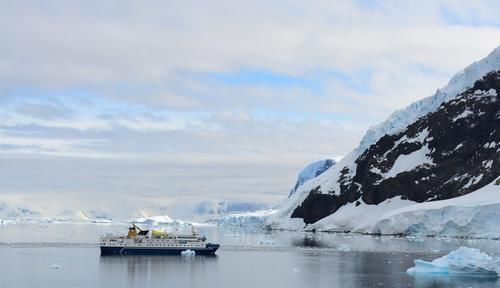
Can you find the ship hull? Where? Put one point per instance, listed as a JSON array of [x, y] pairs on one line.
[[130, 250]]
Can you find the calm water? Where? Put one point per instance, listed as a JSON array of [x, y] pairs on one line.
[[65, 255]]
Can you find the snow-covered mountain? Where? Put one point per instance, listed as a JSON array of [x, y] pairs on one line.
[[10, 212], [311, 171], [439, 148]]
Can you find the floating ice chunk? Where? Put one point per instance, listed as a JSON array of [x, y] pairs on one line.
[[461, 262], [267, 242], [55, 266], [344, 248], [188, 253]]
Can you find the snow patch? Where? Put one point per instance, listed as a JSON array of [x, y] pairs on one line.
[[405, 163], [462, 115], [473, 181], [357, 218], [458, 146]]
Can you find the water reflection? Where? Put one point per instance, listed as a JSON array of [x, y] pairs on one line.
[[308, 241], [136, 270], [246, 259], [423, 281]]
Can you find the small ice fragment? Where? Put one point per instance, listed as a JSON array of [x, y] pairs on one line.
[[344, 248], [55, 266], [267, 242], [295, 270], [188, 253]]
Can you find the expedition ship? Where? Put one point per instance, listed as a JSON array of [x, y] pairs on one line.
[[155, 242]]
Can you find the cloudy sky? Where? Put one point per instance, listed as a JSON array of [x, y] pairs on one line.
[[107, 103]]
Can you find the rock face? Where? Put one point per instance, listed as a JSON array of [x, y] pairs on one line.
[[444, 154], [441, 147], [311, 171]]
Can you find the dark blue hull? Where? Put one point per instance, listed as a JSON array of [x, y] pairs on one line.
[[209, 249]]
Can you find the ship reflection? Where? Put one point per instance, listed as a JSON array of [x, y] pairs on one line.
[[132, 270]]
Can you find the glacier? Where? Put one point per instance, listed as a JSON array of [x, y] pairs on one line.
[[246, 219], [462, 262], [475, 215]]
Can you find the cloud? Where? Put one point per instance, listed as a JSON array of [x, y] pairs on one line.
[[216, 99], [43, 111]]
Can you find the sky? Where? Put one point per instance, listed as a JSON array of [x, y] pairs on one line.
[[114, 105]]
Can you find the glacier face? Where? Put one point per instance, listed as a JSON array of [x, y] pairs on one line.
[[475, 215], [438, 148], [255, 219]]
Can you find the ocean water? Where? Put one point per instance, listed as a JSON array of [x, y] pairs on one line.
[[67, 255]]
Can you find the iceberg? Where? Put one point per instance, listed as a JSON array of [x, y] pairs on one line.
[[462, 262], [188, 253]]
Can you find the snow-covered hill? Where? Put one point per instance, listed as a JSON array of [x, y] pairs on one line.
[[441, 147]]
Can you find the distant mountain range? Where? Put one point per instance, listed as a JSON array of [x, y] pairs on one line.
[[234, 213]]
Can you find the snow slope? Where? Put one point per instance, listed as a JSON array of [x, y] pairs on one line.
[[459, 83], [358, 218]]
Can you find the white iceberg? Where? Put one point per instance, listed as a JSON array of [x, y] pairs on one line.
[[267, 242], [344, 248], [462, 262], [188, 253]]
